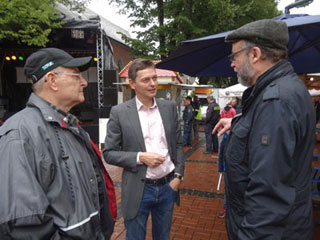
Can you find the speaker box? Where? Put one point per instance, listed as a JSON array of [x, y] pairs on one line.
[[104, 112], [110, 96], [93, 131], [109, 77]]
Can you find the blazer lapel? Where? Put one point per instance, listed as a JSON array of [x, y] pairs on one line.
[[133, 117]]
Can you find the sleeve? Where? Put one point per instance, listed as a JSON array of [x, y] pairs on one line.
[[215, 113], [223, 115], [270, 192], [190, 115], [233, 112], [23, 204], [179, 167], [113, 146], [209, 113]]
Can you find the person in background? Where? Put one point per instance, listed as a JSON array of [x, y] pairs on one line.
[[227, 112], [195, 123], [187, 122], [270, 145], [212, 117], [144, 138], [316, 102], [235, 105], [53, 180]]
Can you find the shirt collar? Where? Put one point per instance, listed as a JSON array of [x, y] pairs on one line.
[[70, 119], [140, 104]]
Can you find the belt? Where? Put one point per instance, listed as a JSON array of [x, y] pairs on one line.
[[160, 181]]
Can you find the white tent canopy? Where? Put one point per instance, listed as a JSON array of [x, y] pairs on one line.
[[232, 91]]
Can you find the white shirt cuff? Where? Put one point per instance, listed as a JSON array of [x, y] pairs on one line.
[[138, 159]]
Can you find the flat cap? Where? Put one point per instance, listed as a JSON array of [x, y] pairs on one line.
[[266, 32]]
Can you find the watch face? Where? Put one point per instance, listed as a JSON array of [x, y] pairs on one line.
[[179, 176]]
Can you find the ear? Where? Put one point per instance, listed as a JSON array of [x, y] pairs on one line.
[[256, 54], [132, 84], [51, 80]]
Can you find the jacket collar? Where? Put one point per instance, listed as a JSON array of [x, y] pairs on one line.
[[47, 111], [275, 72]]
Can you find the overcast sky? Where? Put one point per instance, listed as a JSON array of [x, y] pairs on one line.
[[103, 8]]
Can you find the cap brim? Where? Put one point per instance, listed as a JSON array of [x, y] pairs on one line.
[[82, 63]]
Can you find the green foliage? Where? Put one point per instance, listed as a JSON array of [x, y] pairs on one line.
[[165, 23], [31, 21], [75, 5]]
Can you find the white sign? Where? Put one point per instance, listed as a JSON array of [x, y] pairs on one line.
[[102, 129]]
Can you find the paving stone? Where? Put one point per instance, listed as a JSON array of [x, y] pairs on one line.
[[196, 218]]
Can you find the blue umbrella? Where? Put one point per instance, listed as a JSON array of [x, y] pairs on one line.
[[207, 56]]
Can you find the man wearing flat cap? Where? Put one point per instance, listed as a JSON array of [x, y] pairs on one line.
[[53, 182], [269, 152]]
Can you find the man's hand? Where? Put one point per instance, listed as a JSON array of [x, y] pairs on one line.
[[151, 159], [223, 125], [174, 184]]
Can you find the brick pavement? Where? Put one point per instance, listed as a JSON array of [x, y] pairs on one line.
[[196, 218]]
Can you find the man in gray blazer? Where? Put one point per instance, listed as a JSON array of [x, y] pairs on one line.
[[143, 137]]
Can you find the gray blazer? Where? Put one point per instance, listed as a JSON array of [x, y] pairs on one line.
[[125, 139]]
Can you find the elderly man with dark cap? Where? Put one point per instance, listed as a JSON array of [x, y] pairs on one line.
[[269, 152], [53, 182]]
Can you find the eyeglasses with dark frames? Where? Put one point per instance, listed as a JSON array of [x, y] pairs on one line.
[[232, 56]]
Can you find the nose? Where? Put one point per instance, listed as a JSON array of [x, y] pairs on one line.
[[83, 82], [153, 81], [232, 64]]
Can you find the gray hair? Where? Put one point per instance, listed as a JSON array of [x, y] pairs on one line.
[[38, 86], [272, 54]]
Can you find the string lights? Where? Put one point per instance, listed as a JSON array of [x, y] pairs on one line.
[[21, 58], [14, 58]]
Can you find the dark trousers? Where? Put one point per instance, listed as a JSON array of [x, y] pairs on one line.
[[195, 125], [212, 143], [187, 134], [221, 161]]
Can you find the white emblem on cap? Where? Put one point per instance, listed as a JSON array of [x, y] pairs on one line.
[[44, 67]]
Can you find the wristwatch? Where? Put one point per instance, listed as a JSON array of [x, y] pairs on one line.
[[177, 175]]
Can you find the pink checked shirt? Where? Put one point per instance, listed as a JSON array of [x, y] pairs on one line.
[[154, 138]]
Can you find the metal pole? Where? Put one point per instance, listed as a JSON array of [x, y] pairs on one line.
[[295, 4], [100, 67]]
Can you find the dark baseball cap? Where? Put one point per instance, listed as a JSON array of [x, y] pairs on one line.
[[47, 59], [266, 32]]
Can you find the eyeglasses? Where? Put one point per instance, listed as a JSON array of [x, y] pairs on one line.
[[232, 56], [78, 75]]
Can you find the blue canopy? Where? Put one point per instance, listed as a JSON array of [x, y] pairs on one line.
[[207, 56]]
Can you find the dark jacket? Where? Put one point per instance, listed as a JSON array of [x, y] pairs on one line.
[[268, 160], [187, 115], [52, 182], [213, 114]]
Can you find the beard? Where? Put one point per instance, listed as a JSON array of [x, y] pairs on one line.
[[246, 73]]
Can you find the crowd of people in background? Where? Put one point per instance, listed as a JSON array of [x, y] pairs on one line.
[[213, 115]]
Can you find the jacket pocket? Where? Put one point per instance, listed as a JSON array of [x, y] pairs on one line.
[[237, 145]]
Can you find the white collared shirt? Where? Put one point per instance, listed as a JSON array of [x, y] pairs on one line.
[[154, 138]]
